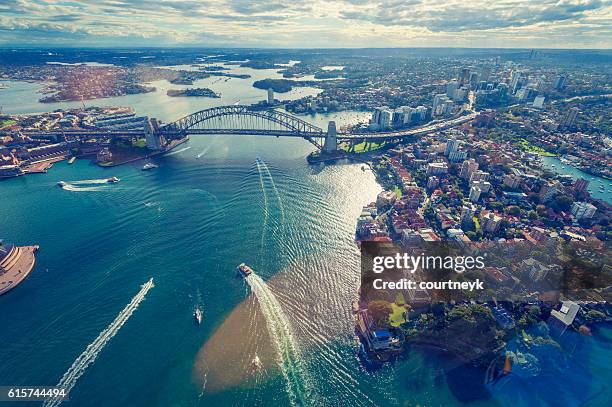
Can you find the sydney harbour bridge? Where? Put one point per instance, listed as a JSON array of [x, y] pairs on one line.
[[248, 120]]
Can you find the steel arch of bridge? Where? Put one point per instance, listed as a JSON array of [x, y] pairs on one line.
[[294, 126]]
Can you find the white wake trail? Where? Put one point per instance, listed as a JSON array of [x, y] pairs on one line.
[[265, 196], [92, 351], [204, 151], [89, 181], [72, 188], [276, 193], [289, 357], [177, 151]]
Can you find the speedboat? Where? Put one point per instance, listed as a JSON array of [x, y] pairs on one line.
[[113, 180], [61, 183], [244, 270], [256, 364], [149, 166], [197, 314]]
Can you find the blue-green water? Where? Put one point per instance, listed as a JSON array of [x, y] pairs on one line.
[[187, 224], [595, 183]]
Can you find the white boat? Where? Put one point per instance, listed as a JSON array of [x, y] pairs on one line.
[[149, 166], [113, 180], [61, 183], [197, 314], [256, 364]]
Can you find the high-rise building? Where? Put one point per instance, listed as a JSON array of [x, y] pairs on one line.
[[457, 156], [538, 102], [381, 118], [475, 192], [270, 96], [464, 77], [515, 81], [569, 120], [442, 105], [452, 144], [468, 168], [451, 88], [560, 82]]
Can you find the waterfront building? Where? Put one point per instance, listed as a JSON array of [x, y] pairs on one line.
[[580, 186], [583, 210], [385, 199], [381, 118], [563, 317]]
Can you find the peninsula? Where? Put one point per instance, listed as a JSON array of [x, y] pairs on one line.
[[16, 264]]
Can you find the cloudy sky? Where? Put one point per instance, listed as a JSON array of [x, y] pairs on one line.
[[313, 23]]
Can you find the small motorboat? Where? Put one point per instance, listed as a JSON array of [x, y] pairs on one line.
[[149, 166], [244, 270], [197, 314], [61, 183], [72, 160], [113, 180], [256, 365]]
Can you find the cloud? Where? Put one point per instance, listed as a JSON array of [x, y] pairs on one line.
[[314, 23]]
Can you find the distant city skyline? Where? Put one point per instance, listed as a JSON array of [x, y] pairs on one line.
[[313, 24]]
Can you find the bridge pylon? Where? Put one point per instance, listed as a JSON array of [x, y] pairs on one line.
[[331, 139], [152, 134]]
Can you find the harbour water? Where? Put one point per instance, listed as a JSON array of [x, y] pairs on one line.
[[187, 224], [599, 188]]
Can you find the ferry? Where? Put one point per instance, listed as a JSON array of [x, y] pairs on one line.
[[244, 270], [148, 166], [72, 160], [113, 180], [197, 314]]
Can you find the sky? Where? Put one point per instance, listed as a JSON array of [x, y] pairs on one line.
[[308, 24]]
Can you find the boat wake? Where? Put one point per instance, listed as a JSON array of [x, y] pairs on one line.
[[89, 181], [177, 151], [204, 151], [261, 164], [90, 354], [288, 355]]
